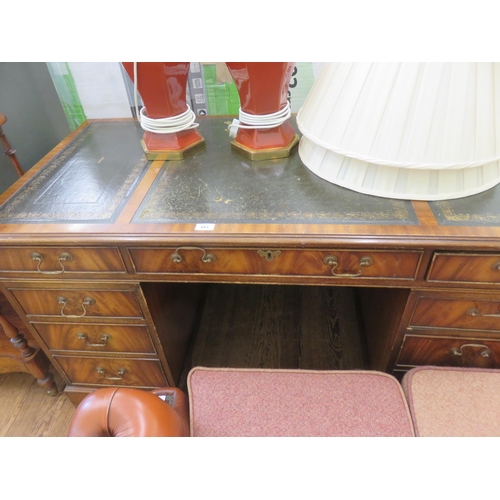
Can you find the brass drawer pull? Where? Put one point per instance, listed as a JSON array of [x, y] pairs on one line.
[[121, 372], [458, 351], [495, 266], [64, 257], [206, 257], [87, 301], [477, 313], [104, 340], [269, 255], [332, 261]]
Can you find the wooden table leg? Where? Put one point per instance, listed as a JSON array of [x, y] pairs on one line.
[[32, 359], [11, 153]]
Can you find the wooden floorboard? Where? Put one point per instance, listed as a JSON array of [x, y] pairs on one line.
[[27, 411], [268, 326]]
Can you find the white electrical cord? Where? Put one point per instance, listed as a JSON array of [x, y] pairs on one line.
[[171, 125], [248, 121]]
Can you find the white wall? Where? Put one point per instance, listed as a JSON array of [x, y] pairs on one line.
[[101, 89]]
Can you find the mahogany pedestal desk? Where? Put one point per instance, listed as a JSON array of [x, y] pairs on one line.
[[103, 255]]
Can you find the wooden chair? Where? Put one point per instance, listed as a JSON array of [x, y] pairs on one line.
[[11, 153], [17, 355]]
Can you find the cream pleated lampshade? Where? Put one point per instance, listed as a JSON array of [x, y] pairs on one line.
[[421, 131]]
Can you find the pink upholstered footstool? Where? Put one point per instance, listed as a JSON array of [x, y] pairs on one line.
[[454, 401], [259, 402]]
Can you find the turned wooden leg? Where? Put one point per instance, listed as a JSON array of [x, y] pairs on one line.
[[17, 339], [44, 378], [33, 359], [11, 153]]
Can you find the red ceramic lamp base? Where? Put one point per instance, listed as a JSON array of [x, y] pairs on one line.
[[172, 154], [265, 153], [172, 146]]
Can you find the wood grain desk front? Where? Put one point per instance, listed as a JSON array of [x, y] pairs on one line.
[[103, 255]]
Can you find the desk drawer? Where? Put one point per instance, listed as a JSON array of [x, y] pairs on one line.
[[272, 261], [443, 351], [96, 337], [465, 268], [65, 303], [469, 314], [57, 261], [112, 371]]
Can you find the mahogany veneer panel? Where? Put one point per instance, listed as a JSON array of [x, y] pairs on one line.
[[110, 303], [442, 351], [175, 309], [384, 264], [118, 338], [465, 268], [137, 372], [474, 314], [54, 261]]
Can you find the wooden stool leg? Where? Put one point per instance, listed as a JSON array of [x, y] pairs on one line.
[[11, 153], [33, 359]]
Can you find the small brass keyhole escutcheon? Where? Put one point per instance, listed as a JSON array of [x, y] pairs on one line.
[[269, 255]]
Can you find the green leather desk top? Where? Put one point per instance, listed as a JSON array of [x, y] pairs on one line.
[[93, 177], [89, 181], [99, 183], [219, 185]]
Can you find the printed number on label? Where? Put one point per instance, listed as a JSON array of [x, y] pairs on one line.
[[204, 227]]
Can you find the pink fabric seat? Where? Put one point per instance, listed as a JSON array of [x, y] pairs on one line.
[[454, 401], [259, 402]]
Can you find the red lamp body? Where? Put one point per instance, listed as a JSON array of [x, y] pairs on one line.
[[162, 86], [263, 89]]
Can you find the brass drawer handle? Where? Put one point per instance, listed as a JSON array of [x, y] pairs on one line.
[[332, 261], [64, 257], [206, 257], [87, 301], [496, 266], [269, 255], [477, 313], [104, 340], [121, 372], [458, 351]]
